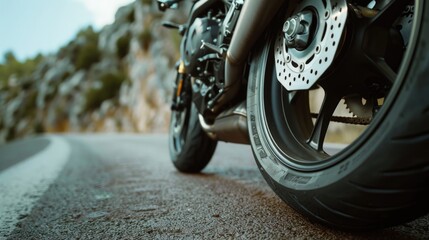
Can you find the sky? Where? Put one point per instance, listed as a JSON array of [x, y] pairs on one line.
[[29, 27]]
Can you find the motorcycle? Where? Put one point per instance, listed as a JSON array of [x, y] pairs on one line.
[[248, 74]]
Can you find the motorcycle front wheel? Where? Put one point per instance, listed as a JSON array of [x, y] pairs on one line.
[[191, 149], [379, 179]]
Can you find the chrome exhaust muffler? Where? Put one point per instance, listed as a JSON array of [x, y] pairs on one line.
[[229, 126]]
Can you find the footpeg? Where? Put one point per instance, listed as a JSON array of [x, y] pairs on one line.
[[215, 49], [172, 25]]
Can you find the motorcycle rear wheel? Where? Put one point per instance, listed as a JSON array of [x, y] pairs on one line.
[[381, 179]]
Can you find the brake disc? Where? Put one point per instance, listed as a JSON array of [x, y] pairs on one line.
[[300, 65]]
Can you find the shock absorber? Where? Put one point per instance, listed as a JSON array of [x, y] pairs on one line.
[[179, 99]]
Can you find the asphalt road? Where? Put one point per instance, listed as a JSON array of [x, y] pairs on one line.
[[124, 187]]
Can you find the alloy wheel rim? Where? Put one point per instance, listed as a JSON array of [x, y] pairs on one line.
[[292, 146]]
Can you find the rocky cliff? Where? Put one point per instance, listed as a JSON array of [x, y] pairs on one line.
[[117, 79]]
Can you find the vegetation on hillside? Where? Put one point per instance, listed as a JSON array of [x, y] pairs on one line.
[[110, 84], [20, 69], [118, 74], [88, 53]]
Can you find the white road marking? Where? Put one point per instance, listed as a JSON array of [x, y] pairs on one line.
[[23, 184]]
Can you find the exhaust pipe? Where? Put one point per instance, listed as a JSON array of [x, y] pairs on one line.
[[229, 126], [254, 18]]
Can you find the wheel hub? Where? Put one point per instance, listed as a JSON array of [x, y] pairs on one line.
[[297, 30], [304, 52], [179, 123]]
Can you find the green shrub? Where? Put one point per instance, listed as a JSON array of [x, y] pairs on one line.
[[146, 2], [89, 34], [110, 86], [131, 17], [86, 56], [145, 39], [11, 134], [38, 127], [28, 106], [123, 45], [89, 53], [12, 66]]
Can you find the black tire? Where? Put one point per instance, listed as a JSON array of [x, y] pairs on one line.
[[379, 180], [190, 147]]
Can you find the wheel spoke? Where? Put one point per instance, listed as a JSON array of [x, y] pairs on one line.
[[320, 129], [292, 96], [378, 36], [389, 13], [380, 65]]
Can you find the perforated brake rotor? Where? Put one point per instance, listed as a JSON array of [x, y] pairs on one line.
[[299, 69]]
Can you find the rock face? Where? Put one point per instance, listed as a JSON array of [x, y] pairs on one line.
[[118, 79]]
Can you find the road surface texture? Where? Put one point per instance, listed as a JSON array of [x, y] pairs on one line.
[[124, 187]]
